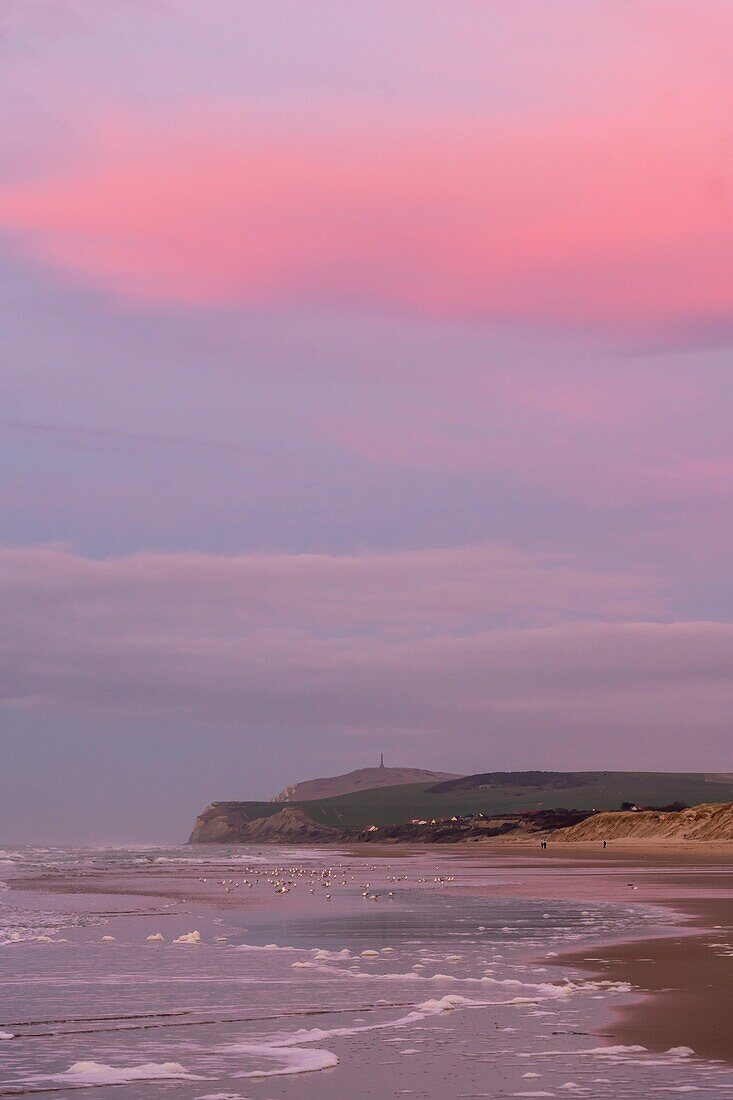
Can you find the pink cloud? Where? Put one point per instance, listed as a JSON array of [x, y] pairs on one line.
[[607, 432], [614, 214], [693, 479]]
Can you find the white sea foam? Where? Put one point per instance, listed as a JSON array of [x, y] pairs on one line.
[[679, 1088], [290, 1059], [540, 990], [444, 1004], [6, 1035], [97, 1073], [289, 1050], [600, 1052], [265, 947], [189, 937], [222, 1096], [614, 1050]]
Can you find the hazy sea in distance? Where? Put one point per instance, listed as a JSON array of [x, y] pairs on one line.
[[395, 986]]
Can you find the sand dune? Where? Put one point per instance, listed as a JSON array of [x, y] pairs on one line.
[[712, 821]]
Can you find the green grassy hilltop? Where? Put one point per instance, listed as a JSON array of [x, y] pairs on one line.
[[496, 793]]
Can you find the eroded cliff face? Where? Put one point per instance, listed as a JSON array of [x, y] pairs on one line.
[[230, 822], [289, 824], [712, 821], [221, 821]]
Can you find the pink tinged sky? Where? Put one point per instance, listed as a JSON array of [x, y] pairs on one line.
[[613, 213], [366, 384]]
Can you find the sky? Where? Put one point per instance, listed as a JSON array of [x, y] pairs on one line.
[[365, 386]]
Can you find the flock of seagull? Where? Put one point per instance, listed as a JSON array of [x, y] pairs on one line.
[[284, 879]]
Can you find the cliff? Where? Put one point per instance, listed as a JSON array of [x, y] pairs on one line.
[[241, 822], [223, 822], [712, 821]]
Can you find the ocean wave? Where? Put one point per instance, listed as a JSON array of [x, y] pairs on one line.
[[292, 1051]]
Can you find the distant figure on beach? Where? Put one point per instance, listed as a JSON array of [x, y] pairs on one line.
[[605, 842]]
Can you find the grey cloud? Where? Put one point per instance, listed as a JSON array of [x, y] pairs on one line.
[[414, 645]]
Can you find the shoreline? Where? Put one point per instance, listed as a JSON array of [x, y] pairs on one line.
[[683, 979], [683, 996]]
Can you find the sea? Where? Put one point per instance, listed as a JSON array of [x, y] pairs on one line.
[[224, 973]]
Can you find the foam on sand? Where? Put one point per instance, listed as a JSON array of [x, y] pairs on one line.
[[444, 1004], [266, 947], [290, 1051], [97, 1073], [290, 1059], [603, 1052], [189, 937], [222, 1096], [6, 1035], [534, 991]]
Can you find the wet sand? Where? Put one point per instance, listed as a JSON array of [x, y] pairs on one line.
[[686, 976], [687, 979]]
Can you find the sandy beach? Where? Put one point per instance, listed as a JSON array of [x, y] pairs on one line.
[[649, 927], [688, 997]]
